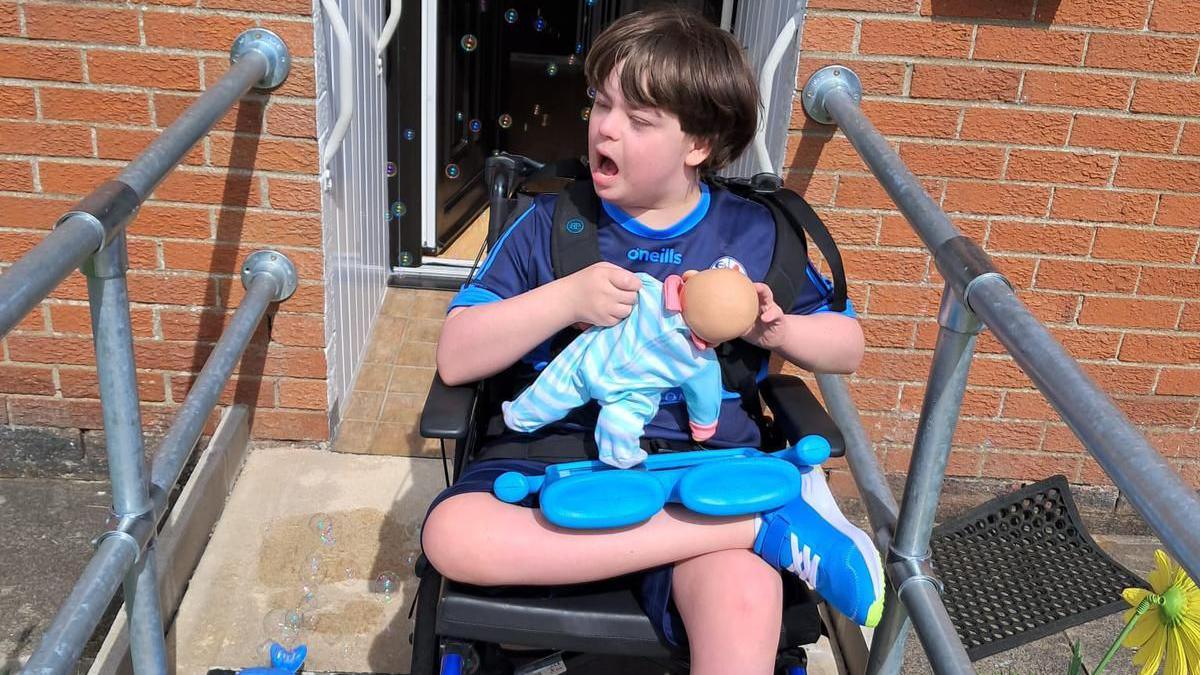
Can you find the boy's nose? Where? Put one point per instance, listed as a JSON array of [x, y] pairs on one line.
[[608, 126]]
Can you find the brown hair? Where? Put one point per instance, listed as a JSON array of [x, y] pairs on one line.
[[676, 60]]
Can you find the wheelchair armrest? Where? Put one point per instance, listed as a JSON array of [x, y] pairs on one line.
[[449, 411], [798, 413]]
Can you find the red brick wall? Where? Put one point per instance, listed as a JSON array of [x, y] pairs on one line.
[[1064, 136], [83, 88]]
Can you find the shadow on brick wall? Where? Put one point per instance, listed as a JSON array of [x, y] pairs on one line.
[[1006, 10], [225, 263], [813, 138]]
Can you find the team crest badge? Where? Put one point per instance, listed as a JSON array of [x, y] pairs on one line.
[[728, 263]]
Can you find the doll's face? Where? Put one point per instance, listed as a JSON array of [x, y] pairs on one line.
[[718, 304]]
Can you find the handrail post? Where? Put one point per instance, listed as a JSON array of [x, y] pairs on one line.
[[108, 296], [92, 237], [909, 554]]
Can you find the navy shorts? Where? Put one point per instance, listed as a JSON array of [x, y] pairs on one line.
[[654, 591]]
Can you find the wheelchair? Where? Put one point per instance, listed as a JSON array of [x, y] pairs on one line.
[[459, 628]]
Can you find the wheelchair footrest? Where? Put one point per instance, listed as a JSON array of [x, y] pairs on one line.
[[1021, 567]]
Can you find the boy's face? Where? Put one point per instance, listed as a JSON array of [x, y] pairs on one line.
[[640, 157]]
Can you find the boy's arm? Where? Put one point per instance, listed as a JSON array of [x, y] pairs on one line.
[[826, 342], [484, 339]]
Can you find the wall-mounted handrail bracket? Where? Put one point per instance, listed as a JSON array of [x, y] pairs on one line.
[[269, 45], [822, 82]]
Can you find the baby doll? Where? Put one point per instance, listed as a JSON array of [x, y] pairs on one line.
[[666, 341]]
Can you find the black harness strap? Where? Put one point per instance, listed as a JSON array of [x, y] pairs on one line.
[[574, 244]]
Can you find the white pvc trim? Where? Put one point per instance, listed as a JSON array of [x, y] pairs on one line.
[[345, 87], [766, 84], [385, 37]]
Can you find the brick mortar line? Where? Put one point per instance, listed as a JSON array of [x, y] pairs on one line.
[[191, 169], [107, 88], [1122, 330], [910, 59], [42, 196], [86, 47], [997, 181], [163, 9], [1023, 107], [893, 17], [116, 126]]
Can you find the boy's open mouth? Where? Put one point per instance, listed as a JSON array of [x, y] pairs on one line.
[[605, 166]]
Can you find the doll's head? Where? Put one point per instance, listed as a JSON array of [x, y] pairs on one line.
[[718, 304]]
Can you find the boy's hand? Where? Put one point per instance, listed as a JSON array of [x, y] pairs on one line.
[[769, 329], [603, 294]]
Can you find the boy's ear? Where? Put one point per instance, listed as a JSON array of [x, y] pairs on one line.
[[701, 149]]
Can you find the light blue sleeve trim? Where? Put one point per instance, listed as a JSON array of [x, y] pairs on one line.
[[472, 295], [824, 283], [500, 242]]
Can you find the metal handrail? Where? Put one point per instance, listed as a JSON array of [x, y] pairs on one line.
[[976, 295], [92, 236]]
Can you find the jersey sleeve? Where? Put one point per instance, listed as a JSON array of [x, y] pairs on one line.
[[511, 267], [816, 294]]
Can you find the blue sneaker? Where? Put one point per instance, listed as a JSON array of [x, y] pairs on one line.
[[810, 538]]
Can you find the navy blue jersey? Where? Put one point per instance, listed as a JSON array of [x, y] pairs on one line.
[[723, 230]]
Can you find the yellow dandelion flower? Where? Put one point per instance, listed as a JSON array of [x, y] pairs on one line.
[[1171, 622]]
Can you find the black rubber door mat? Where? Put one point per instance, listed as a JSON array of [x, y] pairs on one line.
[[1021, 567]]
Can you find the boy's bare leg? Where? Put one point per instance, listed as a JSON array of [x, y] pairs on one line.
[[732, 604], [477, 539]]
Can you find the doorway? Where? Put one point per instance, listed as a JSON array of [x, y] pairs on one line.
[[469, 78]]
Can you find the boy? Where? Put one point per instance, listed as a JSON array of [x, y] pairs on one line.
[[675, 101]]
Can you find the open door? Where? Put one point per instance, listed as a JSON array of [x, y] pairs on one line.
[[488, 76]]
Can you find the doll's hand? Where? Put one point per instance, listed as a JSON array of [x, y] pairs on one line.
[[602, 294], [769, 328]]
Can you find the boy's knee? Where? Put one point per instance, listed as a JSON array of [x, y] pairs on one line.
[[445, 543]]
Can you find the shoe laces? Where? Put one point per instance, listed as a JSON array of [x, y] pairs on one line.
[[804, 563]]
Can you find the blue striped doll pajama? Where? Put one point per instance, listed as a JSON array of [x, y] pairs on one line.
[[626, 368]]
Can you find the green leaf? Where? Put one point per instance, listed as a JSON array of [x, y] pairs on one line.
[[1076, 666]]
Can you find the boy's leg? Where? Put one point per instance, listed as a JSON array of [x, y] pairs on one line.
[[732, 604], [475, 538], [811, 538]]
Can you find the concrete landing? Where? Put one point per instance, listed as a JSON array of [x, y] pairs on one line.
[[261, 558]]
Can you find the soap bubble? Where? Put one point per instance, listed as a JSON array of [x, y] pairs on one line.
[[399, 209], [591, 2], [410, 559], [537, 109], [458, 116], [451, 171], [308, 598], [390, 169], [263, 651], [505, 121], [314, 569], [552, 69], [321, 523], [511, 16], [585, 114], [387, 216], [591, 92], [468, 42], [409, 134], [578, 47], [539, 24], [386, 584], [571, 60], [284, 626], [475, 126]]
